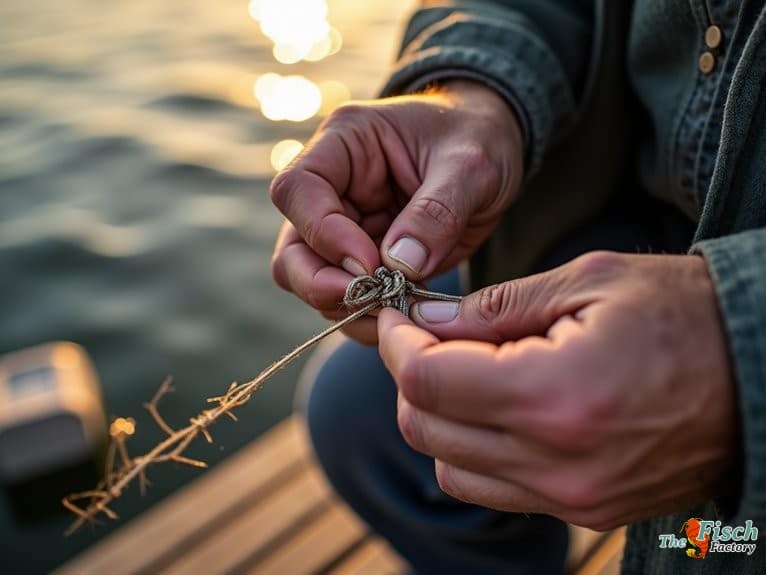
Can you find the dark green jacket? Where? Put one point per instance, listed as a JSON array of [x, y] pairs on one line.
[[609, 91]]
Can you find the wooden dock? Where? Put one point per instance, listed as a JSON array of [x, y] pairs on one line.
[[267, 510]]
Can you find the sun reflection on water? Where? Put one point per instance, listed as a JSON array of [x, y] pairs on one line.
[[284, 152], [296, 98], [292, 98], [299, 29]]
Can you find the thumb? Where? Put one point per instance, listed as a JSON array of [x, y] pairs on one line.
[[429, 226], [501, 312]]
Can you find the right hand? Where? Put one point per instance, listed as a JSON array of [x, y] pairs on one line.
[[414, 183]]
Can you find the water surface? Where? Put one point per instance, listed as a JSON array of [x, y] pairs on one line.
[[134, 214]]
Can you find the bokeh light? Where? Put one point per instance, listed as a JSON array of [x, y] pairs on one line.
[[122, 426], [284, 152], [299, 29], [293, 98], [266, 85]]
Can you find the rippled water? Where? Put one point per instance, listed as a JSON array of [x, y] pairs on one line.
[[134, 216]]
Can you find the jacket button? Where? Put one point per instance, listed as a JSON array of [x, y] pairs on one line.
[[713, 37], [707, 62]]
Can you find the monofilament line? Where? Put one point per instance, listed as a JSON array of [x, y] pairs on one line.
[[385, 288]]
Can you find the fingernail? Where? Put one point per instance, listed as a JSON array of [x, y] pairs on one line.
[[353, 267], [437, 311], [410, 252]]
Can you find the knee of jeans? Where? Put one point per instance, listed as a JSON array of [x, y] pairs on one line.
[[348, 401], [324, 400], [315, 374]]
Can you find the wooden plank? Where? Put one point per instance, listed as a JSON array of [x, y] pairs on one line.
[[374, 557], [582, 543], [199, 506], [605, 560], [612, 567], [258, 530], [316, 547], [280, 519]]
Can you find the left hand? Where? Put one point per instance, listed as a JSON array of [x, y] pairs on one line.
[[599, 392], [415, 182]]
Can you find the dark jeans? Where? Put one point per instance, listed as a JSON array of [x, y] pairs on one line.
[[349, 401]]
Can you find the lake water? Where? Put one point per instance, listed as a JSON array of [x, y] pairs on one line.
[[134, 213]]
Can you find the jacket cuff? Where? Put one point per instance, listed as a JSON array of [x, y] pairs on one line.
[[511, 57], [737, 265]]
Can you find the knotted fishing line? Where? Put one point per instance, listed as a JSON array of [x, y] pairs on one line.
[[385, 288]]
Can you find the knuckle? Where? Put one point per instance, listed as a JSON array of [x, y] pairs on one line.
[[408, 377], [413, 384], [463, 455], [278, 272], [312, 230], [445, 477], [350, 111], [437, 212], [598, 263], [313, 296], [582, 409], [573, 430], [576, 493], [409, 423], [491, 301], [494, 300], [476, 160], [281, 188]]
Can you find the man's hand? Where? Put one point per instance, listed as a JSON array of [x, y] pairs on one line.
[[415, 183], [605, 396]]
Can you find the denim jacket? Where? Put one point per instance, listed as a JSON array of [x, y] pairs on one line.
[[597, 84]]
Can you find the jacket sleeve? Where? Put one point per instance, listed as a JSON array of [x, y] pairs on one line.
[[533, 52], [737, 264]]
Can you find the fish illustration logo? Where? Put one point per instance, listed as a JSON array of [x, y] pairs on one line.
[[700, 537], [695, 548]]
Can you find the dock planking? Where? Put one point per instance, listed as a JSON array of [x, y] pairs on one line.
[[267, 510]]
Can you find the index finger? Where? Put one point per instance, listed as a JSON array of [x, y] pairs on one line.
[[308, 194], [459, 380]]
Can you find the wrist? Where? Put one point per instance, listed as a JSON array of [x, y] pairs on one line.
[[501, 117], [483, 99]]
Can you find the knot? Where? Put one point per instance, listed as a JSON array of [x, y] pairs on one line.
[[387, 287]]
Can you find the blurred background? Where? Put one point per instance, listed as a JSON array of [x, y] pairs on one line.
[[137, 142]]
